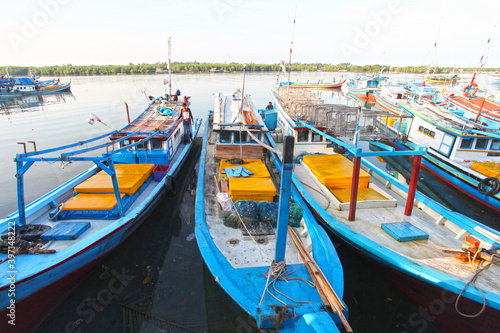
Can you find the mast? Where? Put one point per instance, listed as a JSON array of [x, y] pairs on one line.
[[170, 64], [291, 45]]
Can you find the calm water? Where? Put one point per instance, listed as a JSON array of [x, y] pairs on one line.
[[168, 278]]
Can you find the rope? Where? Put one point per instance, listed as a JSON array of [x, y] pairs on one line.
[[60, 207], [258, 246], [279, 271], [472, 282]]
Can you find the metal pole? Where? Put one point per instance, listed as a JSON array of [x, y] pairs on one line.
[[413, 184], [354, 188], [170, 64], [284, 204], [20, 193]]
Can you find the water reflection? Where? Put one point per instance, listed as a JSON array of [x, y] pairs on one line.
[[33, 103]]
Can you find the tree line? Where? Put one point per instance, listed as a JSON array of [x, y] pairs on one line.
[[197, 67]]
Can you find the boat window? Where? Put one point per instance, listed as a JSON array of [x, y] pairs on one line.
[[143, 145], [495, 144], [426, 130], [432, 133], [257, 135], [399, 96], [157, 144], [421, 128], [237, 137], [225, 137], [302, 136], [316, 137], [481, 144], [466, 143]]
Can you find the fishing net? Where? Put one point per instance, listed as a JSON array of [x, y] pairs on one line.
[[294, 215], [247, 210], [251, 212], [268, 212]]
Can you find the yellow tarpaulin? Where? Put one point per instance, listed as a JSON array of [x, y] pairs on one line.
[[335, 171], [489, 169], [364, 194], [132, 169], [91, 201], [102, 184], [251, 188]]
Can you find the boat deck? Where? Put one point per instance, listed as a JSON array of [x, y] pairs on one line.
[[151, 121], [424, 252], [96, 225], [240, 252]]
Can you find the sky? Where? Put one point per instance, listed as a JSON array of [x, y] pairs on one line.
[[361, 32]]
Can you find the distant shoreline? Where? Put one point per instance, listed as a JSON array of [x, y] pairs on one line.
[[196, 67]]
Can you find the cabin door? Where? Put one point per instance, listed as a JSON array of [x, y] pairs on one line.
[[170, 147], [446, 145]]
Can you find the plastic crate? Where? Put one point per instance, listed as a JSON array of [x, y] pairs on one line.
[[160, 171]]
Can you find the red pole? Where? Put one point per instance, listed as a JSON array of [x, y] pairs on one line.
[[354, 188], [413, 184]]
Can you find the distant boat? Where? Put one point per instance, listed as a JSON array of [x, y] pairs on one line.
[[315, 84], [442, 78], [366, 84], [66, 232], [243, 249], [389, 95], [463, 153], [21, 86], [377, 215]]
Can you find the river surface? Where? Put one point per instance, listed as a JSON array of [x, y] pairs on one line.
[[169, 286]]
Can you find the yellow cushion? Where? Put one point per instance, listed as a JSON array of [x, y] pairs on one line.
[[256, 189], [489, 169], [364, 194], [91, 201], [132, 169], [256, 166], [335, 171], [101, 183]]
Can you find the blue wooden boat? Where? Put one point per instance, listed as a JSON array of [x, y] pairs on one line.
[[67, 231], [21, 86], [365, 84], [241, 256], [463, 153], [414, 239]]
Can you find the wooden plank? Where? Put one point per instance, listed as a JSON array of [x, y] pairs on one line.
[[66, 230], [320, 280], [404, 231], [224, 187], [233, 151]]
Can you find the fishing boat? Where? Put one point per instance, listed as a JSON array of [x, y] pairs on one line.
[[315, 84], [262, 260], [389, 95], [481, 110], [442, 78], [365, 84], [50, 243], [463, 153], [21, 86], [430, 253]]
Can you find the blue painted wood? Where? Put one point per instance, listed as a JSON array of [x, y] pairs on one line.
[[404, 231], [36, 272], [245, 285], [66, 231]]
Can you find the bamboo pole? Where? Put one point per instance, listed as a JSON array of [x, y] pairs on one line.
[[323, 285]]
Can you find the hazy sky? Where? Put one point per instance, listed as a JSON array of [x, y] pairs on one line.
[[395, 32]]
